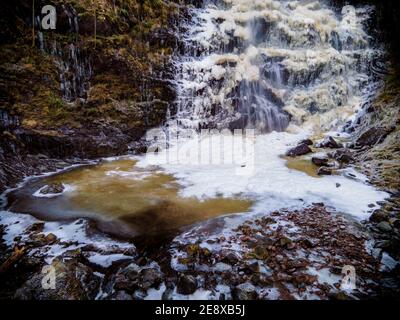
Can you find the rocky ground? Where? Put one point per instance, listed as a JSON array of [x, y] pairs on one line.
[[288, 254]]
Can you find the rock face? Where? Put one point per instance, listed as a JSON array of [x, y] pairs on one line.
[[83, 94], [373, 136], [299, 150]]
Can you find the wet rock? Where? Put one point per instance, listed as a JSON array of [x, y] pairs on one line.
[[384, 226], [40, 240], [74, 281], [307, 142], [378, 216], [245, 291], [251, 268], [132, 277], [344, 157], [122, 295], [260, 252], [36, 227], [373, 136], [329, 142], [230, 257], [395, 223], [51, 238], [285, 242], [299, 150], [126, 278], [324, 171], [150, 277], [261, 280], [187, 284], [53, 189], [320, 160], [303, 279]]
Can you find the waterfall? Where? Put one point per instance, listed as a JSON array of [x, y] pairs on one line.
[[263, 64], [73, 64]]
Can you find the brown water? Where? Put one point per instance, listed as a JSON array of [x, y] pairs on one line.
[[123, 199], [302, 164]]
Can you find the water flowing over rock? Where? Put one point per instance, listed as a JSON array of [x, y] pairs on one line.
[[73, 63], [260, 64]]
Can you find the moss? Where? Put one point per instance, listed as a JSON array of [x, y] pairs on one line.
[[382, 162]]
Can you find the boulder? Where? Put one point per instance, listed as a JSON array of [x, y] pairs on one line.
[[320, 161], [329, 142], [299, 150], [307, 142]]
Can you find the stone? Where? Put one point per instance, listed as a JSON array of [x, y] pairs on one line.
[[384, 226], [150, 277], [324, 171], [299, 150], [285, 242], [187, 284], [320, 161], [307, 142], [122, 295], [51, 238], [54, 188], [329, 142], [127, 278], [261, 252], [378, 216], [251, 268], [40, 240], [395, 223], [230, 257], [36, 227], [245, 291]]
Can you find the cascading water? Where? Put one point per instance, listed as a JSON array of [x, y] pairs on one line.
[[261, 64], [73, 64]]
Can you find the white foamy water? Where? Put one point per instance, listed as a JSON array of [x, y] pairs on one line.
[[262, 63], [263, 175]]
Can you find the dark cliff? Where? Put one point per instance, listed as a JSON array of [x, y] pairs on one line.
[[87, 89]]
